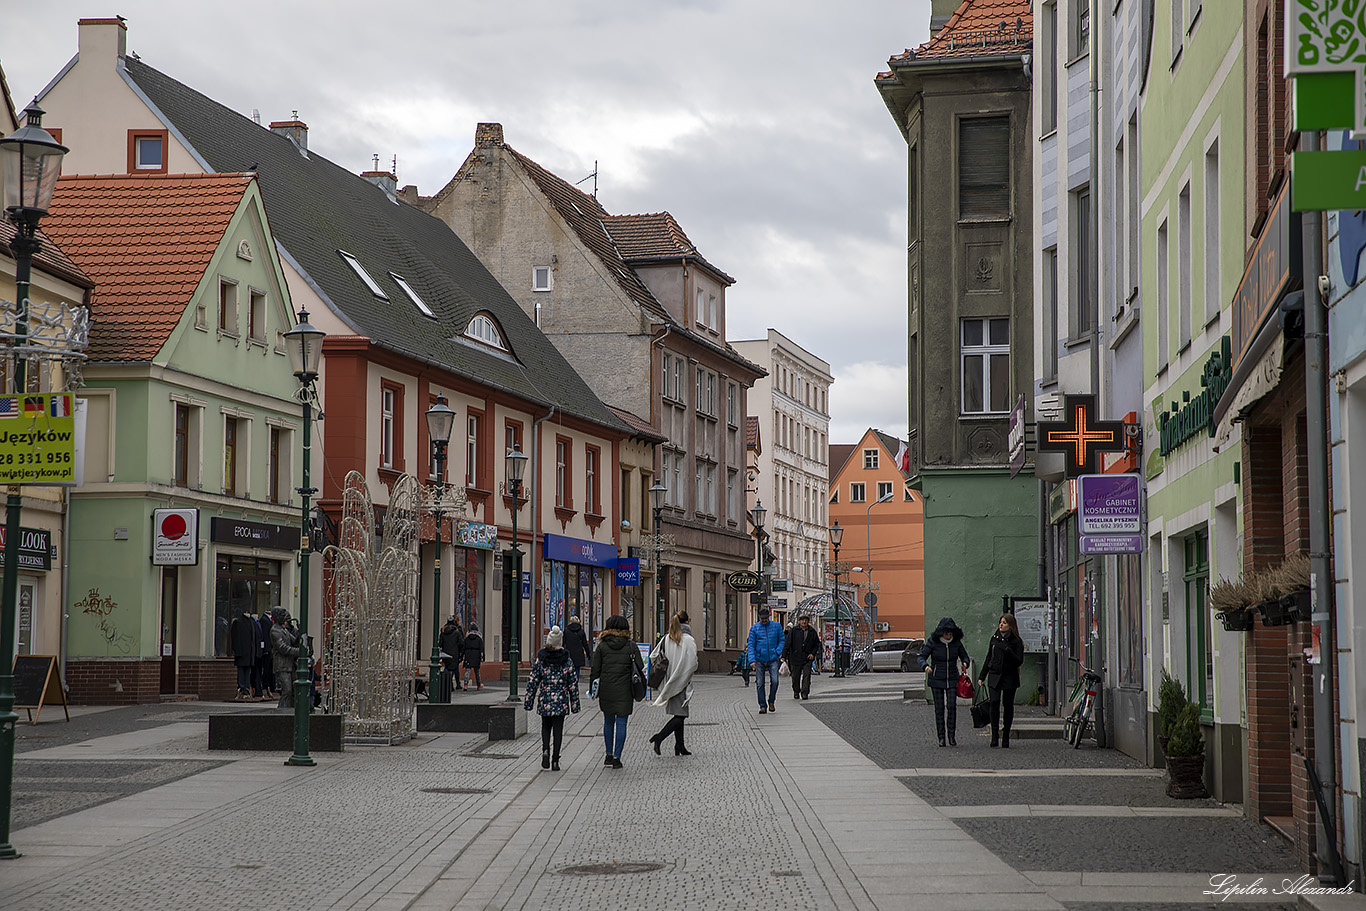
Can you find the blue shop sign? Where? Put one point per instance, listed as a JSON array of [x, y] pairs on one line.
[[576, 550], [628, 571]]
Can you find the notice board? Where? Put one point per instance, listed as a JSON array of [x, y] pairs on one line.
[[38, 682]]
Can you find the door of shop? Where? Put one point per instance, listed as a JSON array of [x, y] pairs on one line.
[[170, 590], [512, 591]]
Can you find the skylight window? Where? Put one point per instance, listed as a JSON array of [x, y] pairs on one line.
[[412, 295], [362, 274], [483, 329]]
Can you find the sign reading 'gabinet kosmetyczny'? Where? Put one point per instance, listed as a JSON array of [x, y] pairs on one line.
[[1109, 504], [38, 439]]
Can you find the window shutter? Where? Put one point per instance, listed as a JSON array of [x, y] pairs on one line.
[[984, 168]]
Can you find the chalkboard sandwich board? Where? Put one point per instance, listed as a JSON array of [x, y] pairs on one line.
[[37, 682]]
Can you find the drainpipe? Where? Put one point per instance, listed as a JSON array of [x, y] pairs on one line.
[[1095, 649], [1320, 514]]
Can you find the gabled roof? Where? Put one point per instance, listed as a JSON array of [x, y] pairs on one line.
[[318, 209], [978, 28], [146, 239], [640, 428], [839, 454], [752, 439], [655, 237]]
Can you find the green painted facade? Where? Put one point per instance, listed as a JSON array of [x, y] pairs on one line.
[[116, 609]]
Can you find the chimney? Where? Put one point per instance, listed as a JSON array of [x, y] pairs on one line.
[[101, 39], [409, 195], [296, 131], [488, 135], [385, 180]]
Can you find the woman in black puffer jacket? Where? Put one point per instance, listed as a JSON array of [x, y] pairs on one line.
[[944, 659], [614, 660]]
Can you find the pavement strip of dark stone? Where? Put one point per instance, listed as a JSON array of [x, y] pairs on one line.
[[46, 789], [901, 735], [1168, 906], [59, 732]]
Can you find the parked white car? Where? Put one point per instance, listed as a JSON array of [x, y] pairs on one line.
[[886, 654]]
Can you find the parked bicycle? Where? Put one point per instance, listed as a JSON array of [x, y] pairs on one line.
[[1076, 725]]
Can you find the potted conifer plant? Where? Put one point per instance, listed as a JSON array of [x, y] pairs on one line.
[[1171, 698], [1186, 756]]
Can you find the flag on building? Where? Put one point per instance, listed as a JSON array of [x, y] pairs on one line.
[[35, 404], [60, 406], [903, 457], [9, 407]]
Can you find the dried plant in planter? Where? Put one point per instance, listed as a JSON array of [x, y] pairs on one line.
[[1228, 595], [1293, 574], [1262, 586]]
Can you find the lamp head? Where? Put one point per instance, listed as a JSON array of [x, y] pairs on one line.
[[440, 420], [516, 464], [758, 514], [836, 534], [304, 344], [657, 493], [30, 163]]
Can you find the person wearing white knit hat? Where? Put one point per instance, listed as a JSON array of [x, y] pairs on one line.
[[556, 682]]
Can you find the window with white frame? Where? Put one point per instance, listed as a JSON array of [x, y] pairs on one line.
[[884, 489], [701, 318], [985, 353], [150, 153], [1183, 267], [870, 459], [732, 494], [413, 296], [540, 278], [483, 329], [1048, 66], [227, 307], [364, 276], [1163, 281], [1209, 250], [592, 492], [562, 491], [474, 431], [1083, 265], [387, 415], [857, 492], [1050, 314], [713, 318], [256, 326]]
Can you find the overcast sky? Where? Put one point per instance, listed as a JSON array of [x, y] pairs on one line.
[[755, 122]]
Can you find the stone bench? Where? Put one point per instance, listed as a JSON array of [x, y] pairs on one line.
[[272, 731], [500, 720]]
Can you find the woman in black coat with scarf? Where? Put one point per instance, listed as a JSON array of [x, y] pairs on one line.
[[944, 658], [1001, 671]]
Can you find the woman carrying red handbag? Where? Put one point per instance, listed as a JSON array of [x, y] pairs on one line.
[[946, 662]]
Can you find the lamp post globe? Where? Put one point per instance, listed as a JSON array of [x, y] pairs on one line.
[[30, 163], [516, 465], [440, 420], [304, 345], [657, 494]]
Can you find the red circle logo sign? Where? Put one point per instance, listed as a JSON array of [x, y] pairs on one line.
[[173, 527]]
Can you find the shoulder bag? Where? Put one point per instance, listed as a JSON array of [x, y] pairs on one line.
[[637, 682], [981, 710], [965, 690], [659, 667]]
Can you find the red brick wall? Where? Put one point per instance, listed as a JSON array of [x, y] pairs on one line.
[[1268, 723], [91, 681], [208, 678]]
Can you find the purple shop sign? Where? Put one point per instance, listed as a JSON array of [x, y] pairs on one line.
[[1110, 504], [1111, 544]]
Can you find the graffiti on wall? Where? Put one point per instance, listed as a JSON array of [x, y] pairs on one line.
[[102, 608]]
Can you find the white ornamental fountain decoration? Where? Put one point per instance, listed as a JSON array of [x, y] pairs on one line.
[[370, 581]]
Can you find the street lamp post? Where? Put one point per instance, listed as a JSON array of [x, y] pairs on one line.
[[30, 163], [304, 344], [757, 516], [440, 420], [516, 465], [657, 493], [837, 536]]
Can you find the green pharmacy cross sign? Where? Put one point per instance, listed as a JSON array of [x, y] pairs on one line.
[[1325, 51]]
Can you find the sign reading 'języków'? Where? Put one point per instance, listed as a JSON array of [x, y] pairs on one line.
[[38, 439]]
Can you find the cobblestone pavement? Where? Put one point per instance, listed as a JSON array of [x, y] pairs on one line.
[[776, 812]]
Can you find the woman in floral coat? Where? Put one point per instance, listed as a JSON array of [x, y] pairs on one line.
[[555, 680]]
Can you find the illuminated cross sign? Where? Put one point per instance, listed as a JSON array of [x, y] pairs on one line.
[[1080, 436]]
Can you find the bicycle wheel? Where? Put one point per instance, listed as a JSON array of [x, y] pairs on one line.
[[1069, 727], [1083, 722]]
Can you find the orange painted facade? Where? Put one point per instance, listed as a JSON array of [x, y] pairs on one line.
[[885, 541]]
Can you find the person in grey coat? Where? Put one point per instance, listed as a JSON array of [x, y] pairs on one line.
[[284, 649], [614, 661]]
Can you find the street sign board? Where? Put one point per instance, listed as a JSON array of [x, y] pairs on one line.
[[175, 537], [782, 585], [870, 599], [1110, 544], [38, 439], [1109, 504], [745, 580], [1033, 620], [1016, 436], [628, 571]]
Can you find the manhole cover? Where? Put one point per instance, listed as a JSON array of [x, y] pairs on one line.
[[456, 791], [610, 869], [787, 872]]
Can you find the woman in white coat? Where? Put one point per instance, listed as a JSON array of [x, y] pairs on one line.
[[680, 648]]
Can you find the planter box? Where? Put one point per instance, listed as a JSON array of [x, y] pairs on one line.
[[1186, 777], [1237, 621], [1273, 613], [1296, 606]]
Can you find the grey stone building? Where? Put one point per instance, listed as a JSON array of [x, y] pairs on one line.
[[962, 102], [641, 314]]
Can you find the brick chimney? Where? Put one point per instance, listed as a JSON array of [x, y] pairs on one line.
[[296, 131], [488, 135], [101, 39], [385, 180]]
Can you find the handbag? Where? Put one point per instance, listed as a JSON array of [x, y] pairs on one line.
[[981, 711], [965, 689], [637, 683], [659, 667], [783, 669]]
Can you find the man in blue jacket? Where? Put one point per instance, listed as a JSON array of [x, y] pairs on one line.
[[765, 651]]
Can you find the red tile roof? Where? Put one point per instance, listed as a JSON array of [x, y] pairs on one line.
[[653, 236], [146, 240], [49, 258], [640, 427], [752, 441], [978, 28]]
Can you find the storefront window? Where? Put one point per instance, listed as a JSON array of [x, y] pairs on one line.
[[242, 585], [468, 587], [1200, 656], [1130, 621], [709, 610], [732, 619], [678, 591]]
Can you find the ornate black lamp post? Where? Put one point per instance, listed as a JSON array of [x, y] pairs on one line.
[[440, 420], [757, 516], [30, 163], [657, 494], [837, 536], [516, 465], [304, 344]]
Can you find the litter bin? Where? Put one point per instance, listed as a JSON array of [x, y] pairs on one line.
[[442, 691]]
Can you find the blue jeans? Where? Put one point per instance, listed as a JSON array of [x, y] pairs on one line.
[[614, 733], [769, 670]]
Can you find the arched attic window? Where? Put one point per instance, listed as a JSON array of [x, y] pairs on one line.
[[483, 329]]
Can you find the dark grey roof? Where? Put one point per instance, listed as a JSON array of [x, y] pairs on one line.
[[317, 208]]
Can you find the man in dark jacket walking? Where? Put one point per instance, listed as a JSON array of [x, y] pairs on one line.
[[452, 642], [944, 658], [802, 646], [472, 656], [577, 644]]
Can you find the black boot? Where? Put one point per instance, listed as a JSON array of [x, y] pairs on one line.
[[545, 758], [1005, 739], [996, 736], [679, 748], [554, 763], [656, 740]]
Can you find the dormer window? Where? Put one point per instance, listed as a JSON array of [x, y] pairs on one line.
[[412, 295], [483, 329], [362, 274]]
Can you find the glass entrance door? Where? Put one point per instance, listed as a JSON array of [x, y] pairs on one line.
[[170, 592]]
